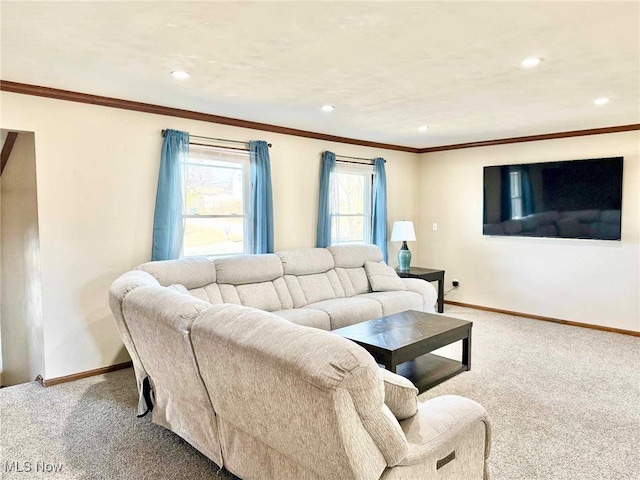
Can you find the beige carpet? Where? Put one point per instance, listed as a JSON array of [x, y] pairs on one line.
[[565, 404]]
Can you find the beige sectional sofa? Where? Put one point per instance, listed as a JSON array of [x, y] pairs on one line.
[[317, 287], [234, 356]]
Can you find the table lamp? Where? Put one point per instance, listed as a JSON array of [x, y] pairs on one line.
[[402, 232]]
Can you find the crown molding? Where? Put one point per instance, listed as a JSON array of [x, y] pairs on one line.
[[70, 96], [40, 91], [533, 138]]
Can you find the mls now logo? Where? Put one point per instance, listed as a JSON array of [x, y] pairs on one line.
[[29, 467]]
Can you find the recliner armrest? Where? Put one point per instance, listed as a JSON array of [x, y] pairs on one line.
[[439, 421], [400, 395]]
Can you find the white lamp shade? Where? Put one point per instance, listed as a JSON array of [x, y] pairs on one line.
[[403, 231]]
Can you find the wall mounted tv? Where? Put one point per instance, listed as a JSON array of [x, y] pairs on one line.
[[568, 199]]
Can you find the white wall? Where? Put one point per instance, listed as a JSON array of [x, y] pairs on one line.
[[20, 298], [589, 281], [97, 171]]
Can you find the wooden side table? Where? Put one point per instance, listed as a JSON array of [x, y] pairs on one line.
[[430, 275]]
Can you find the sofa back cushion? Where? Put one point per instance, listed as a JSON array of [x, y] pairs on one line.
[[250, 280], [355, 255], [305, 261], [306, 289], [349, 261], [244, 269], [310, 276], [320, 396], [192, 272]]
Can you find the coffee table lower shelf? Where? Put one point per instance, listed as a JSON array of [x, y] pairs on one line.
[[429, 370]]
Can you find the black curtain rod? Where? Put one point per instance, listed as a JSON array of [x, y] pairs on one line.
[[218, 139], [338, 157]]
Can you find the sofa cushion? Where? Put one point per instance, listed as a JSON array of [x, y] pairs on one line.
[[266, 296], [352, 256], [243, 269], [382, 277], [354, 280], [262, 296], [286, 301], [229, 294], [307, 317], [178, 287], [321, 286], [212, 291], [305, 261], [394, 302], [347, 311], [400, 395], [305, 289], [200, 293], [192, 272]]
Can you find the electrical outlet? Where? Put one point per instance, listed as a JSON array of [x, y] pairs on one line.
[[455, 283]]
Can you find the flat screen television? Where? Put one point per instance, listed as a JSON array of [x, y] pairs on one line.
[[566, 199]]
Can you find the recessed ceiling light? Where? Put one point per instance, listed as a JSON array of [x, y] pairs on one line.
[[423, 128], [328, 108], [179, 74], [531, 62], [601, 101]]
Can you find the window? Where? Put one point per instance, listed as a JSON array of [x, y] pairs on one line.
[[216, 189], [351, 204], [515, 180]]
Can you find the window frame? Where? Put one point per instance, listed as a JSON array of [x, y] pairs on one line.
[[352, 169], [245, 168]]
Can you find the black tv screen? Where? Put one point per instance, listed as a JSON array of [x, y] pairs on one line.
[[568, 199]]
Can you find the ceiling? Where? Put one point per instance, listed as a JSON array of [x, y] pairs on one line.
[[387, 67]]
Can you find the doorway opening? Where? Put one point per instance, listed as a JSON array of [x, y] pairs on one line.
[[21, 332]]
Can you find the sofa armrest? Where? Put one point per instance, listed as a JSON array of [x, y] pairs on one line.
[[400, 395], [424, 288], [439, 423], [119, 289]]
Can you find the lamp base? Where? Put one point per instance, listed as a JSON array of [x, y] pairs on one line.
[[404, 258]]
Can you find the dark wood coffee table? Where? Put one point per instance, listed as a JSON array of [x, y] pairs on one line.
[[402, 342]]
